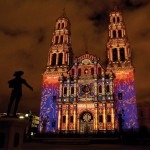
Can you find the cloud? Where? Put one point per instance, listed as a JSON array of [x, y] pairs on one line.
[[12, 33], [136, 3], [26, 31]]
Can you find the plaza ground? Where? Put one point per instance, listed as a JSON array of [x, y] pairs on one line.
[[84, 144], [46, 146]]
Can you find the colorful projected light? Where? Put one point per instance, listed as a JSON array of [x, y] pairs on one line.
[[125, 98], [48, 113], [75, 89], [119, 62]]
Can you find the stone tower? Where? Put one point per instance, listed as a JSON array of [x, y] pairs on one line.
[[119, 62], [59, 59]]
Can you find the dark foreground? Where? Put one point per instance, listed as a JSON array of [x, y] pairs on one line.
[[86, 143], [46, 146]]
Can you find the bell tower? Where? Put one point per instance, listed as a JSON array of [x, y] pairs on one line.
[[60, 55], [118, 46], [59, 60], [119, 62]]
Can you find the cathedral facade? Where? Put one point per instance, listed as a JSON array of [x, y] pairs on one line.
[[81, 96]]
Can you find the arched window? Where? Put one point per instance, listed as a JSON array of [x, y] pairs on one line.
[[119, 33], [58, 27], [114, 20], [64, 119], [65, 90], [114, 33], [118, 19], [100, 89], [92, 71], [122, 54], [107, 88], [61, 39], [53, 62], [72, 90], [60, 57], [100, 118], [54, 98], [62, 26], [115, 56], [108, 118], [99, 71], [79, 72], [56, 40]]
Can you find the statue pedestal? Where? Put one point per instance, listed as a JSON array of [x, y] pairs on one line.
[[12, 133]]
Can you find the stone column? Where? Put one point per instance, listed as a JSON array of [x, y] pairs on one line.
[[78, 128], [112, 116], [57, 58], [75, 90], [96, 116], [67, 117], [125, 51], [68, 88], [118, 53], [63, 57], [59, 117], [104, 116], [110, 52], [103, 86], [74, 116]]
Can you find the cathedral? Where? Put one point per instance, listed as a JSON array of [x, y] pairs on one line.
[[79, 95]]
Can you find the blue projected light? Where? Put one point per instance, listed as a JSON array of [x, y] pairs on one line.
[[126, 101], [49, 113]]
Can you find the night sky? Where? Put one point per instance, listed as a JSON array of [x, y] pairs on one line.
[[26, 28]]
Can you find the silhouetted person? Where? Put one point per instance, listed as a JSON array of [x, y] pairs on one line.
[[16, 93]]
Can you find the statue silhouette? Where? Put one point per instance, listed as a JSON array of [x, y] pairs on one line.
[[16, 85]]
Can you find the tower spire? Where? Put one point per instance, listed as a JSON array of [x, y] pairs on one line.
[[64, 12], [115, 6]]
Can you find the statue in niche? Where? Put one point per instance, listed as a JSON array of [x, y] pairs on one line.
[[16, 85]]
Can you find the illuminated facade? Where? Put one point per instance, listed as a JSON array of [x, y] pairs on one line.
[[81, 95], [120, 63]]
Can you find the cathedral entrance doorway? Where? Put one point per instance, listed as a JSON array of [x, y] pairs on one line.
[[86, 123]]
